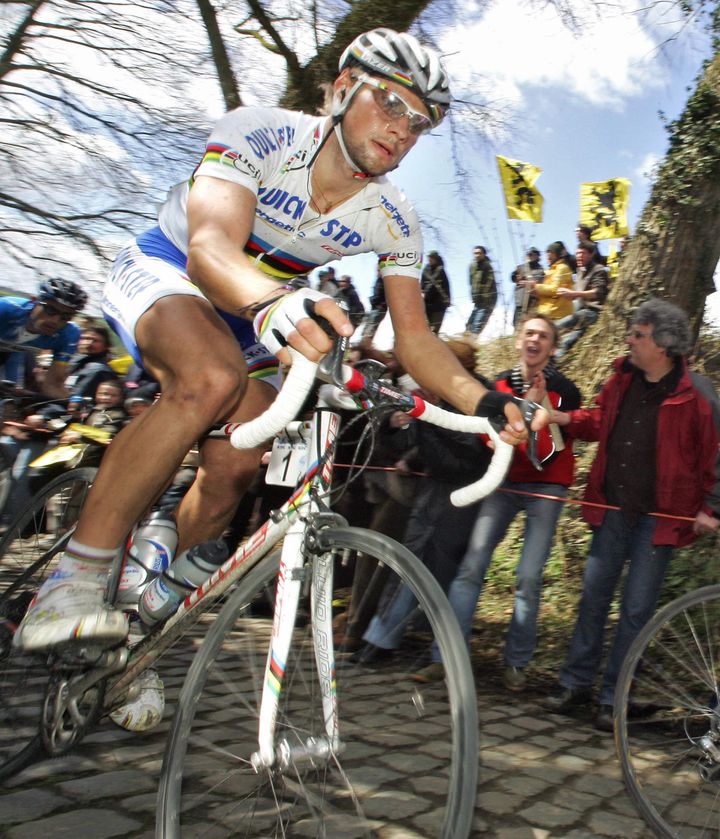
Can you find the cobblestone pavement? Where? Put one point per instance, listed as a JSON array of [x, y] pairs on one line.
[[541, 776]]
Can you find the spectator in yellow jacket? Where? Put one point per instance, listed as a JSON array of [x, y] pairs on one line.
[[558, 275]]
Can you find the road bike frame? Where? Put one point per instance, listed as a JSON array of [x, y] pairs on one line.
[[292, 522]]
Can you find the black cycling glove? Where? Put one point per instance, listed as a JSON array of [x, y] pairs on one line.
[[492, 406]]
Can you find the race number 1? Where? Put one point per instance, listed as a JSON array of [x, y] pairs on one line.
[[289, 457]]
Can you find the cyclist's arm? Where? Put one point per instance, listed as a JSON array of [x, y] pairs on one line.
[[221, 215], [428, 360]]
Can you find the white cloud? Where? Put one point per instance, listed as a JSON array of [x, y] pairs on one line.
[[646, 168], [610, 59]]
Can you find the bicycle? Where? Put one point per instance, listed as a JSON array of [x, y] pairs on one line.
[[290, 768], [667, 717]]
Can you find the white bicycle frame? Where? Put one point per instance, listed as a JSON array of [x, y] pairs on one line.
[[291, 522]]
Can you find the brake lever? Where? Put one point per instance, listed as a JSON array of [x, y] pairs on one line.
[[528, 408]]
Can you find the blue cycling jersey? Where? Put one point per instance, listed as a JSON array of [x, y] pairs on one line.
[[14, 315]]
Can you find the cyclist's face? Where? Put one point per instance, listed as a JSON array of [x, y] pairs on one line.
[[49, 318], [536, 343], [375, 138]]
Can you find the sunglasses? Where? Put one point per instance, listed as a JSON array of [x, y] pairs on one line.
[[53, 311], [637, 334], [396, 107]]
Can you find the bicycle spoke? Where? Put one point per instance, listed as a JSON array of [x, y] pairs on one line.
[[668, 722]]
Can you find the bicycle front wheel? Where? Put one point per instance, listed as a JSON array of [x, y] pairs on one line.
[[408, 762], [667, 717], [28, 553]]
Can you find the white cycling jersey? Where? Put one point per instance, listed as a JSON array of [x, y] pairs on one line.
[[267, 151]]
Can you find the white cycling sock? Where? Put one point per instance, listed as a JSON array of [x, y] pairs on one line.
[[82, 563]]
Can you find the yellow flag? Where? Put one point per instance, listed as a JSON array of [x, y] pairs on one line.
[[522, 200], [603, 208], [612, 263]]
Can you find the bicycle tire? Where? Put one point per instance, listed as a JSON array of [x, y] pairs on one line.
[[667, 717], [28, 550], [396, 775]]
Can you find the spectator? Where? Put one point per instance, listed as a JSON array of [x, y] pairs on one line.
[[348, 294], [482, 289], [378, 308], [42, 322], [558, 275], [532, 270], [437, 532], [657, 427], [535, 378], [435, 287], [585, 237], [90, 367], [591, 288], [327, 283], [108, 411]]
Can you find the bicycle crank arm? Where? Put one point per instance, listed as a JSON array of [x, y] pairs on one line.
[[73, 702]]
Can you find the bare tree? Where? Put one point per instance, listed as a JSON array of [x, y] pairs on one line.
[[94, 114]]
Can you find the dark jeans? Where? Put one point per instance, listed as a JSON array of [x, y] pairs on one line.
[[435, 318], [616, 542], [496, 514], [580, 320], [478, 318]]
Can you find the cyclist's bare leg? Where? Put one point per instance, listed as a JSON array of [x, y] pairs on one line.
[[201, 371], [224, 476]]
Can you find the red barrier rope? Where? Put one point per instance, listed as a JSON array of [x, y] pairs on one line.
[[524, 492]]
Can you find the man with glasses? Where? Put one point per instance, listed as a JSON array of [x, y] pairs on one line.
[[657, 427], [276, 195], [43, 323]]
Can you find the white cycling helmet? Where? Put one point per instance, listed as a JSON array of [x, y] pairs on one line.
[[403, 59]]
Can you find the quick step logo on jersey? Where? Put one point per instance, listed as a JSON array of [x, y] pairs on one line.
[[263, 141], [281, 199], [338, 232]]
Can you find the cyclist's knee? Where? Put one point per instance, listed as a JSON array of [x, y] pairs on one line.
[[211, 392]]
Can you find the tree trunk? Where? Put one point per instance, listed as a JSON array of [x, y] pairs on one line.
[[305, 89], [221, 59], [676, 247]]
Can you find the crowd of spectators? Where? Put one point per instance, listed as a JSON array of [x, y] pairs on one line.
[[404, 490]]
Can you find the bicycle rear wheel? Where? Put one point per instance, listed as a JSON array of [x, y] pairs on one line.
[[667, 717], [409, 763], [28, 552]]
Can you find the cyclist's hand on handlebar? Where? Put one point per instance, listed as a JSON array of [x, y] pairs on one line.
[[303, 320], [512, 417]]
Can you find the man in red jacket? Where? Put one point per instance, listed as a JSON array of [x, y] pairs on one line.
[[533, 377], [657, 427]]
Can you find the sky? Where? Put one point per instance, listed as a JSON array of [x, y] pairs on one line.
[[582, 103], [583, 106]]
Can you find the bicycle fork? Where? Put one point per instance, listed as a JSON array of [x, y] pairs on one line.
[[290, 582]]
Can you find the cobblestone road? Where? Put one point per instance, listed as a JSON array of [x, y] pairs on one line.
[[541, 776]]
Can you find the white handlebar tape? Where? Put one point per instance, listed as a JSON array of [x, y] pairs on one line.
[[501, 458], [283, 410]]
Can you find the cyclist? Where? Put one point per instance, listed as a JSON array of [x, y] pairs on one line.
[[43, 322], [276, 195]]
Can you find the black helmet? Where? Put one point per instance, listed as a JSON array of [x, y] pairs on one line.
[[65, 292], [403, 59]]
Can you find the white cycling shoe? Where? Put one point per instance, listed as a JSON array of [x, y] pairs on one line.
[[146, 710], [70, 612]]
